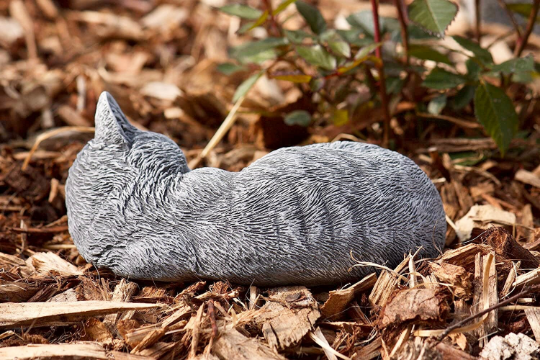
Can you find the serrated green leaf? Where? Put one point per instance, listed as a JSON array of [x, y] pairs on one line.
[[295, 78], [496, 112], [433, 15], [297, 36], [482, 54], [229, 68], [298, 117], [441, 79], [340, 117], [437, 105], [242, 11], [312, 16], [318, 56], [340, 47], [417, 33], [463, 97], [424, 52], [515, 65], [282, 6], [246, 86]]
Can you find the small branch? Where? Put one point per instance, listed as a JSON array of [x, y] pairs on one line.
[[220, 133], [404, 31], [459, 122], [275, 29], [382, 78], [516, 26], [478, 18], [522, 42], [485, 311]]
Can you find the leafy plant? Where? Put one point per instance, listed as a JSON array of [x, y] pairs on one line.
[[330, 66]]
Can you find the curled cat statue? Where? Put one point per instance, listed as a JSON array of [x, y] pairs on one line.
[[296, 216]]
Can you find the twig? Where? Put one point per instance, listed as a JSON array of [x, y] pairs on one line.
[[485, 311], [404, 32], [522, 42], [518, 29], [274, 25], [459, 122], [380, 67], [477, 13], [49, 134], [220, 133], [212, 315]]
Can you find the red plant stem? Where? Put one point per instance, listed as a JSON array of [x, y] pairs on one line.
[[522, 42], [275, 29], [382, 79], [478, 16], [404, 32], [502, 3]]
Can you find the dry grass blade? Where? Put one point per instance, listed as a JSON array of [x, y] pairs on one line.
[[50, 134]]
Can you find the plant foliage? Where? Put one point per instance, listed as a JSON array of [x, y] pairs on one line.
[[329, 66]]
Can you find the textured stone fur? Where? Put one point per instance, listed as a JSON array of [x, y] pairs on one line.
[[293, 217]]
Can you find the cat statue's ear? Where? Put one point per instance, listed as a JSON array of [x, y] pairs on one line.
[[112, 126]]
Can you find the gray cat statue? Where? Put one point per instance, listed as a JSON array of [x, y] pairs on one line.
[[296, 216]]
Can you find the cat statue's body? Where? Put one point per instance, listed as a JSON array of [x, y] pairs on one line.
[[294, 216]]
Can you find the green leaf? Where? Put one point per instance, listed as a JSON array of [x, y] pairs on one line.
[[437, 105], [352, 36], [433, 15], [366, 50], [282, 6], [482, 54], [522, 9], [524, 64], [362, 20], [295, 78], [258, 51], [495, 111], [242, 11], [246, 86], [312, 16], [340, 47], [473, 69], [441, 79], [298, 117], [340, 117], [394, 84], [318, 56], [424, 52], [297, 36], [229, 68], [463, 97], [417, 33]]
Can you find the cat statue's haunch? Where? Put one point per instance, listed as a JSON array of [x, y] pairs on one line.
[[294, 216]]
